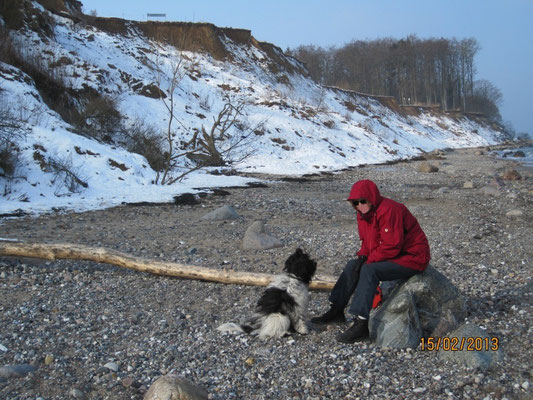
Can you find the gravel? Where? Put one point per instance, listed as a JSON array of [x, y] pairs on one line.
[[96, 331]]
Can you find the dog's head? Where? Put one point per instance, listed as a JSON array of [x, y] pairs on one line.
[[300, 265]]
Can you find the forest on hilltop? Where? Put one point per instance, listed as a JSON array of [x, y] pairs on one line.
[[426, 72]]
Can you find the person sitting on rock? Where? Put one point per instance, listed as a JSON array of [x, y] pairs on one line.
[[393, 246]]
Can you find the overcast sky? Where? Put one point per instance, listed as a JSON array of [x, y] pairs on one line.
[[503, 28]]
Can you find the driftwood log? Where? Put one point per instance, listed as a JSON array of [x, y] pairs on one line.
[[101, 255]]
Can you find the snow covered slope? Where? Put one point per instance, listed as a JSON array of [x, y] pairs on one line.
[[297, 127]]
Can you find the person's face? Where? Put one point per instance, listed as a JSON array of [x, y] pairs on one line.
[[361, 205]]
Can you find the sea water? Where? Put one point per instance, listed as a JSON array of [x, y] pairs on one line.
[[508, 154]]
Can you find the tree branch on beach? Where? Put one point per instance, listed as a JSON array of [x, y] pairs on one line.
[[101, 255]]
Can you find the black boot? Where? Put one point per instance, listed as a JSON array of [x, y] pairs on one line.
[[334, 315], [355, 333]]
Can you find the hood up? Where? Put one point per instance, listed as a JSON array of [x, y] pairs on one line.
[[365, 189]]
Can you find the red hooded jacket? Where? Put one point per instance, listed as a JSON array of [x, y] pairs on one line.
[[389, 232]]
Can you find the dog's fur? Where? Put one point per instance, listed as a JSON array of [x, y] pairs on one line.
[[283, 306]]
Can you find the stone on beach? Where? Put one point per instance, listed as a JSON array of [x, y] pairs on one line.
[[173, 387], [427, 167], [256, 238], [16, 371], [511, 175], [491, 191], [222, 213]]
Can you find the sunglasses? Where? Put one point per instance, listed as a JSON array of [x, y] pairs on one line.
[[355, 203]]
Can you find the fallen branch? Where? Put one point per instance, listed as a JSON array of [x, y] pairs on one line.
[[68, 251]]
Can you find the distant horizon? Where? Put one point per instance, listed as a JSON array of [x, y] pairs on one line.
[[502, 29]]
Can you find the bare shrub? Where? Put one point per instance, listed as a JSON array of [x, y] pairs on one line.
[[98, 117], [12, 13], [66, 175], [93, 114], [144, 139], [9, 160], [6, 46], [318, 102], [205, 102], [12, 130]]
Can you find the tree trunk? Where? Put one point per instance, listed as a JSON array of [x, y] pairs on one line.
[[102, 255]]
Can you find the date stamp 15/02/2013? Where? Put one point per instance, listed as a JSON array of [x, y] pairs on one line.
[[473, 343]]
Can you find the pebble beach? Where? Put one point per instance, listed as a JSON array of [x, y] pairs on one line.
[[78, 329]]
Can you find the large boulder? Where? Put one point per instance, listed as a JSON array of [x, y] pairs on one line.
[[427, 304], [173, 387]]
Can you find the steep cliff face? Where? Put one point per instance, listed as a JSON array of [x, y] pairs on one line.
[[199, 37]]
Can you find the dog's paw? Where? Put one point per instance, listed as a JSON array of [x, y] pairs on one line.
[[302, 328]]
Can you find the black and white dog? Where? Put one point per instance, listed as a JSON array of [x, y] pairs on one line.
[[283, 305]]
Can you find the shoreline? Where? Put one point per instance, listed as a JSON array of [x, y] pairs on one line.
[[429, 156]]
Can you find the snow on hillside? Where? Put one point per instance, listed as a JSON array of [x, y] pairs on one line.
[[299, 126]]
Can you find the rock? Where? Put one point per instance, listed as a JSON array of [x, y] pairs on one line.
[[425, 305], [77, 393], [468, 185], [490, 191], [49, 359], [483, 359], [256, 238], [127, 381], [222, 213], [173, 387], [511, 175], [401, 327], [111, 366], [16, 371], [519, 153], [427, 167], [449, 169], [479, 153], [249, 361], [514, 213]]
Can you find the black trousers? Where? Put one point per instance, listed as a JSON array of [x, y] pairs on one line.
[[365, 287]]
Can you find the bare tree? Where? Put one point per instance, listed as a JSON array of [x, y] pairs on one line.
[[228, 140], [430, 71], [168, 71], [486, 99]]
